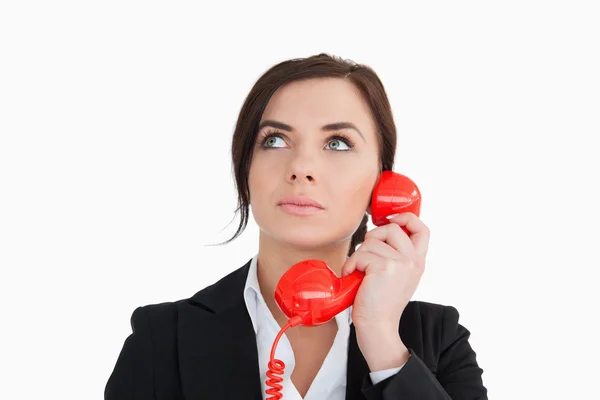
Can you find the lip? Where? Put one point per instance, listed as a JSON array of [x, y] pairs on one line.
[[300, 201], [299, 210]]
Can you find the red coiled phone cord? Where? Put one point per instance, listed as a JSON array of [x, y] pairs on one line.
[[276, 366]]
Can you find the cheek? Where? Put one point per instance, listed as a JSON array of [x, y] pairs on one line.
[[260, 180], [255, 185], [353, 195]]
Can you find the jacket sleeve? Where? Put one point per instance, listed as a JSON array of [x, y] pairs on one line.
[[133, 377], [458, 376]]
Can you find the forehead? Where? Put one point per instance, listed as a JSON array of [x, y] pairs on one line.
[[319, 101]]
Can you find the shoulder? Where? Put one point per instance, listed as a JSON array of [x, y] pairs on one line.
[[156, 323], [224, 292], [149, 359], [164, 317], [440, 319], [155, 315], [430, 328], [431, 314], [442, 323], [151, 345], [442, 343]]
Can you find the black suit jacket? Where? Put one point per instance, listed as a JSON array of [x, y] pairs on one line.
[[204, 347]]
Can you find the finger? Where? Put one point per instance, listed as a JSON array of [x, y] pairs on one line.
[[394, 236], [361, 261], [419, 233], [380, 248]]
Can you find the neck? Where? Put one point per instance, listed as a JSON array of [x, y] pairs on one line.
[[276, 257]]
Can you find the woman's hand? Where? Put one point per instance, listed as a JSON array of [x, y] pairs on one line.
[[393, 263]]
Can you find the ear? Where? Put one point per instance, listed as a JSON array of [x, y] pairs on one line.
[[371, 198]]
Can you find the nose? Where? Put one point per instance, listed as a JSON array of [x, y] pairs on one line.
[[294, 177], [302, 168]]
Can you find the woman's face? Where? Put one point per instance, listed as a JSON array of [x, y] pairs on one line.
[[304, 158]]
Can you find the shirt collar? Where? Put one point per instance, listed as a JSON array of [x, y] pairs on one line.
[[252, 295]]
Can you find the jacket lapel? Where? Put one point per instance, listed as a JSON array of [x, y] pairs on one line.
[[218, 357], [357, 368]]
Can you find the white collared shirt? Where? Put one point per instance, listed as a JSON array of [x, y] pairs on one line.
[[330, 382]]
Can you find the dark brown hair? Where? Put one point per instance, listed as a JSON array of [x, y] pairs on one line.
[[317, 66]]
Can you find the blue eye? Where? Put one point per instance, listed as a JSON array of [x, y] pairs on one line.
[[335, 140], [270, 139]]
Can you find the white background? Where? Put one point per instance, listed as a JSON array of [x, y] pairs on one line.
[[116, 120]]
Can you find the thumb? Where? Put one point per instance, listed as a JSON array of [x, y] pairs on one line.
[[349, 266]]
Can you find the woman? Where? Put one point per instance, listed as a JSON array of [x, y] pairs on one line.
[[322, 128]]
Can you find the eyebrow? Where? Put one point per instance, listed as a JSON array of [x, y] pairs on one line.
[[336, 126]]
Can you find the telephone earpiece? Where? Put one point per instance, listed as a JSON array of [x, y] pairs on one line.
[[394, 194], [309, 292]]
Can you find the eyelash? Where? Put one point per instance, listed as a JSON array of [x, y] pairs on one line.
[[339, 136]]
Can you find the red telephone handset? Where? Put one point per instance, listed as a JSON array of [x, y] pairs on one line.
[[309, 292]]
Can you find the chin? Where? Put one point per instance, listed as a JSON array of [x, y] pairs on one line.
[[303, 242], [306, 236]]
